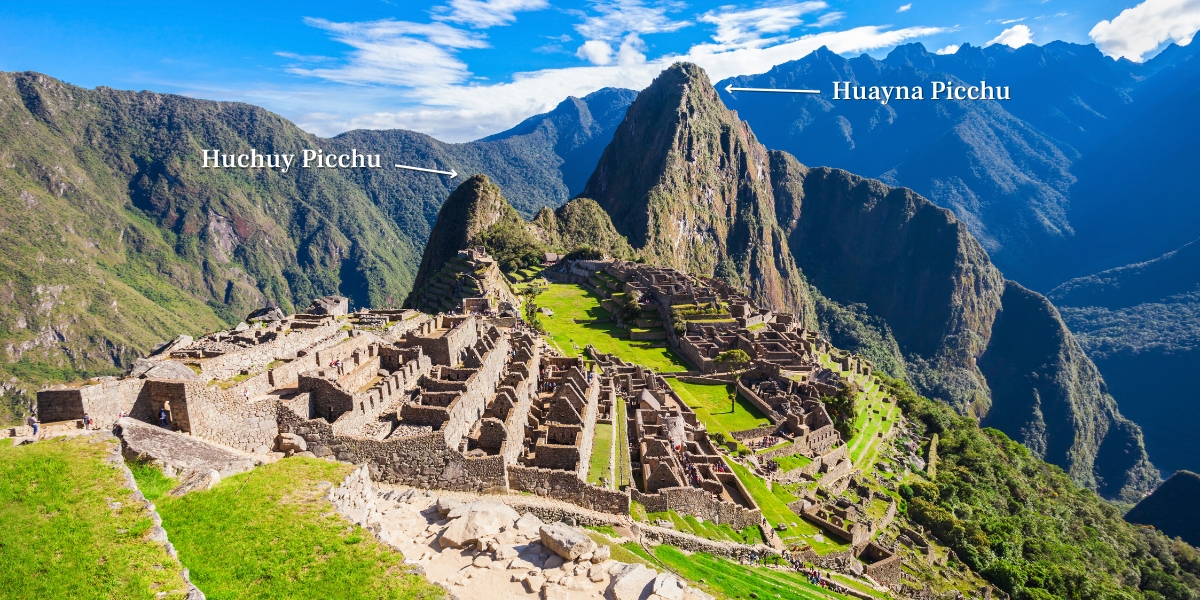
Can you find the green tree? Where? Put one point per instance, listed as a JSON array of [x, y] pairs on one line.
[[734, 359], [843, 408]]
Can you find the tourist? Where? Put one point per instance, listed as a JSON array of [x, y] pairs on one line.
[[162, 417], [33, 422], [87, 422]]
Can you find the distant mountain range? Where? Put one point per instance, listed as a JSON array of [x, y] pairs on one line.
[[1088, 168], [1081, 165]]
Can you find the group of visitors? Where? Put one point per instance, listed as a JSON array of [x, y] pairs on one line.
[[767, 441]]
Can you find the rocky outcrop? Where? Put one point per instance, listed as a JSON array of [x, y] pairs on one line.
[[566, 541], [578, 223], [179, 455], [689, 185]]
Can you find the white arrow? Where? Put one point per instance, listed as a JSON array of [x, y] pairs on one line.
[[730, 89], [451, 172]]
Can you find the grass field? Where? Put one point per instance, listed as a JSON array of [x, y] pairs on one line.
[[601, 463], [269, 533], [571, 303], [788, 463], [773, 503], [624, 474], [61, 536], [728, 579], [712, 405], [708, 529]]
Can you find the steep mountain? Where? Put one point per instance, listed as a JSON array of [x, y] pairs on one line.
[[688, 184], [476, 215], [581, 223], [1171, 508], [1141, 325], [1050, 397], [117, 238], [887, 272], [1045, 173]]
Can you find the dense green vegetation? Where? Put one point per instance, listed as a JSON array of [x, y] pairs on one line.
[[72, 530], [579, 320], [1172, 508], [1023, 525], [268, 533]]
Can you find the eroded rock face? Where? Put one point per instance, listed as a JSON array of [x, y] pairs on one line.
[[178, 455], [566, 541]]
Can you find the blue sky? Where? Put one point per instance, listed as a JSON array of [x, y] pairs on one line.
[[463, 69]]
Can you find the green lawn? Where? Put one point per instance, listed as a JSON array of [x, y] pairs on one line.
[[713, 406], [725, 578], [270, 533], [571, 303], [602, 445], [61, 537], [708, 529], [788, 463], [773, 504], [624, 474]]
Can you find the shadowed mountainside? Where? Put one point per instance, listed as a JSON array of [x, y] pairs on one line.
[[1172, 508]]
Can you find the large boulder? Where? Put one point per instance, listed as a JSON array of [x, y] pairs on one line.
[[265, 314], [178, 455], [290, 442], [566, 541], [169, 369], [329, 305], [668, 587], [480, 519], [632, 582]]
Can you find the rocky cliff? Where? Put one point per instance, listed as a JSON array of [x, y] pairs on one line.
[[689, 185]]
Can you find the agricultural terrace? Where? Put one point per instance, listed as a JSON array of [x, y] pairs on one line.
[[602, 455], [773, 502], [577, 320], [873, 425]]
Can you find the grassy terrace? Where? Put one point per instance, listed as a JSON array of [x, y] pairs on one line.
[[707, 529], [725, 578], [624, 470], [773, 503], [63, 539], [602, 454], [788, 463], [579, 320], [269, 533], [716, 407]]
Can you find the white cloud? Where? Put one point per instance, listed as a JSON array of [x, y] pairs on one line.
[[595, 52], [951, 49], [829, 18], [405, 79], [1140, 30], [746, 28], [485, 13], [1015, 37], [1010, 21], [396, 53], [616, 18], [904, 8]]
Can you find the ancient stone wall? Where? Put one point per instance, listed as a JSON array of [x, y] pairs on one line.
[[421, 461], [103, 402], [759, 403], [699, 503], [222, 416], [564, 485], [256, 358], [757, 432], [692, 543], [469, 407]]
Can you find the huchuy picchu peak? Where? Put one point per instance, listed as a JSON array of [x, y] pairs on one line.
[[715, 372]]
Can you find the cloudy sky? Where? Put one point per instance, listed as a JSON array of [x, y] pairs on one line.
[[464, 69]]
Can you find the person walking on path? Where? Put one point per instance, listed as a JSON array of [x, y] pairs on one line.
[[87, 422], [162, 417], [33, 422]]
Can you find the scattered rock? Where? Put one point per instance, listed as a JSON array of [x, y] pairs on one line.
[[169, 369], [566, 541], [482, 561], [480, 519], [445, 504], [534, 583], [269, 313], [597, 574], [528, 522], [668, 587], [553, 562], [601, 554], [632, 582], [198, 482]]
